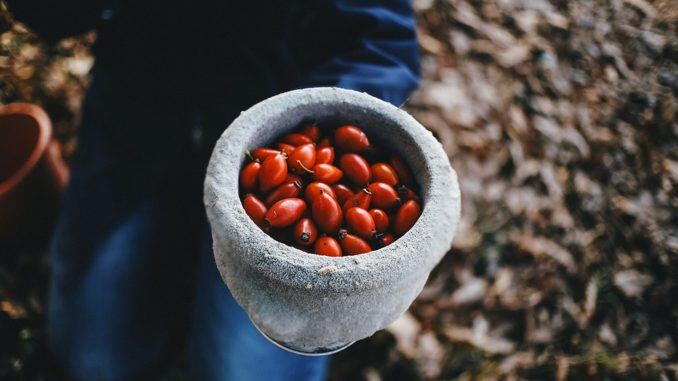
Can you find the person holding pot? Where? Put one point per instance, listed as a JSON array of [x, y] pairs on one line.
[[133, 276]]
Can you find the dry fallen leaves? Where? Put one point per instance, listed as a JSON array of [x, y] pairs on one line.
[[560, 119]]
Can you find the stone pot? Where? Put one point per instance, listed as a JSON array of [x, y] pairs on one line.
[[32, 178], [311, 303]]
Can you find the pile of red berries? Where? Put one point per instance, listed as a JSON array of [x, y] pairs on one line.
[[300, 195]]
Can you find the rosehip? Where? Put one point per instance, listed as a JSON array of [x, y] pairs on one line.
[[262, 153], [361, 199], [326, 213], [324, 142], [296, 139], [255, 208], [287, 149], [380, 240], [404, 193], [302, 159], [406, 217], [384, 173], [311, 130], [404, 174], [324, 155], [377, 202], [380, 220], [327, 246], [360, 222], [285, 190], [305, 232], [285, 212], [315, 188], [343, 193], [327, 173], [272, 173], [248, 176], [351, 139], [387, 239], [292, 178], [356, 168], [352, 244], [383, 195]]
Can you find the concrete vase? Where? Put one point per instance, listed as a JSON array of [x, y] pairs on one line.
[[311, 303]]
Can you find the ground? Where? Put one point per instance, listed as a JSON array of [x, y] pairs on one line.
[[560, 119]]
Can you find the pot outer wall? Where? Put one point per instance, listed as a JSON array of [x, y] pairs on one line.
[[309, 302], [30, 193]]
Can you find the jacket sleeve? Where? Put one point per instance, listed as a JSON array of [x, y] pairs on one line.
[[53, 20], [383, 56]]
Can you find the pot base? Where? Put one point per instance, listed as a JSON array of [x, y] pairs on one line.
[[324, 351]]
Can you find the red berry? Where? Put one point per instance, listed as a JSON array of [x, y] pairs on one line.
[[360, 222], [356, 168], [327, 246], [296, 139], [404, 193], [352, 244], [324, 155], [326, 213], [287, 149], [387, 239], [384, 173], [343, 193], [255, 208], [311, 130], [407, 215], [272, 173], [383, 195], [404, 174], [324, 142], [380, 220], [327, 173], [350, 139], [302, 159], [305, 232], [284, 190], [305, 155], [292, 178], [315, 188], [285, 212], [361, 199], [262, 153], [248, 176]]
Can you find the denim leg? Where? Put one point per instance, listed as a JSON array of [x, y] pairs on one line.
[[122, 268], [224, 345]]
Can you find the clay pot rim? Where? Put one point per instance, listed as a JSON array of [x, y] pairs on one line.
[[44, 136], [270, 258]]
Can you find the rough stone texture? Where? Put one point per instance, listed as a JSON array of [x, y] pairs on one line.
[[310, 302]]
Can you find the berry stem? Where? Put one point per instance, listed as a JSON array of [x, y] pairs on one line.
[[304, 167]]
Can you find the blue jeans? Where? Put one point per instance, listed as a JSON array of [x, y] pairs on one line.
[[134, 283]]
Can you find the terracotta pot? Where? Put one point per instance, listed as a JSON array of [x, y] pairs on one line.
[[32, 178]]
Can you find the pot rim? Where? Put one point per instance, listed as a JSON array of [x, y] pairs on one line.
[[44, 136], [380, 267]]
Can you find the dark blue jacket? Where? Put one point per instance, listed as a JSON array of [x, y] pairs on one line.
[[160, 63]]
